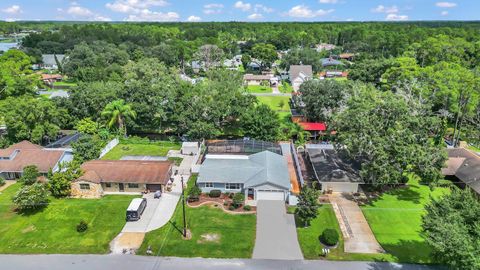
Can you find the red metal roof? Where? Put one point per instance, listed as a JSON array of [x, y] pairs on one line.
[[313, 126]]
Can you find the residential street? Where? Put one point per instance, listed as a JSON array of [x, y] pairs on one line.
[[129, 262]]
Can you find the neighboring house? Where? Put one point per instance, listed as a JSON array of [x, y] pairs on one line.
[[260, 176], [315, 128], [252, 79], [333, 172], [18, 156], [333, 74], [324, 47], [329, 62], [298, 74], [50, 79], [463, 168], [233, 63], [49, 62], [116, 176], [347, 56]]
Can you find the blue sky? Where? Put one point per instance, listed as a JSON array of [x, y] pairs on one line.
[[245, 10]]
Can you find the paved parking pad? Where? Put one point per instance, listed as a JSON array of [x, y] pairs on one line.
[[276, 233]]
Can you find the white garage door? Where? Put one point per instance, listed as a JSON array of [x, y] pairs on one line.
[[271, 195]]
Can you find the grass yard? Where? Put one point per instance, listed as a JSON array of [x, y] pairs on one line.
[[64, 84], [259, 89], [215, 234], [147, 149], [276, 103], [395, 219], [53, 229], [286, 88]]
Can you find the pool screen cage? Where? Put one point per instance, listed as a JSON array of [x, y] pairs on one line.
[[241, 147]]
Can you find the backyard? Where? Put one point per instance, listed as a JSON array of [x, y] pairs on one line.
[[130, 148], [215, 234], [53, 229], [259, 89]]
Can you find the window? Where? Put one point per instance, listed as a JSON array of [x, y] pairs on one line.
[[108, 185], [233, 186], [84, 186], [132, 185], [209, 185]]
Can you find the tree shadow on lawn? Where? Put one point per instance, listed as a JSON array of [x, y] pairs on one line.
[[30, 212], [409, 251], [404, 193], [175, 226]]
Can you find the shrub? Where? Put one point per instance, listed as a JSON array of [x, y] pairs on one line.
[[82, 226], [230, 195], [2, 181], [215, 193], [31, 197], [194, 192], [29, 175], [238, 199], [247, 207], [329, 237], [225, 203], [231, 207]]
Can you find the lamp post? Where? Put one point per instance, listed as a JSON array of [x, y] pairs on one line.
[[183, 205]]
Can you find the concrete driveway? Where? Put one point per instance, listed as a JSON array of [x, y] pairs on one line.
[[276, 233]]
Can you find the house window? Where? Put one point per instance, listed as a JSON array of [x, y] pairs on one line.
[[232, 186], [108, 185], [132, 185], [209, 185], [84, 186]]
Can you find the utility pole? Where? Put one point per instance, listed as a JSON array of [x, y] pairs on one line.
[[183, 204]]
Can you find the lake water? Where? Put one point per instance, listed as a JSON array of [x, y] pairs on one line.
[[7, 46]]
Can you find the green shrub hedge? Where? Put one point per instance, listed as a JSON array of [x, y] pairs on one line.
[[329, 237], [215, 193]]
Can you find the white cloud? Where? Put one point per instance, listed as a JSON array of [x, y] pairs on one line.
[[255, 16], [194, 19], [444, 13], [15, 9], [10, 19], [78, 11], [384, 9], [213, 8], [83, 13], [146, 15], [302, 11], [134, 6], [260, 7], [328, 1], [243, 6], [395, 17], [446, 4]]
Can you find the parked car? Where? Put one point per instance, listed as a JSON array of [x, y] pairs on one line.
[[135, 209], [157, 194]]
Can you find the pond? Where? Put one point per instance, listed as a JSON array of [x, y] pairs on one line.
[[7, 46]]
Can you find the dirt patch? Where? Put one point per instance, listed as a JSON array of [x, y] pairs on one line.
[[30, 228], [209, 238], [127, 243]]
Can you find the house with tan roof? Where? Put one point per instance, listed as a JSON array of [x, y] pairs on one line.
[[121, 176], [18, 156]]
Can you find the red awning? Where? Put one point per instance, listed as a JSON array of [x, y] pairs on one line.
[[311, 126]]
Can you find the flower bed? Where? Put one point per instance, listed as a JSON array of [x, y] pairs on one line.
[[224, 201]]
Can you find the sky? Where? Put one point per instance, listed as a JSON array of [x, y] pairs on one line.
[[245, 10]]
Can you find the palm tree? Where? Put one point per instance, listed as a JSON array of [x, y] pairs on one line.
[[117, 111]]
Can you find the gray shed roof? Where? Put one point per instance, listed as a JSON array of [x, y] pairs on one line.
[[331, 62], [295, 71], [49, 59], [254, 170]]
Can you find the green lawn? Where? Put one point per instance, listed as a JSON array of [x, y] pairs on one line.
[[215, 234], [64, 84], [259, 89], [53, 229], [395, 219], [286, 88], [276, 103], [152, 149]]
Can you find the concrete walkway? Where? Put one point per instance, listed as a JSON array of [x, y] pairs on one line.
[[356, 232], [276, 233]]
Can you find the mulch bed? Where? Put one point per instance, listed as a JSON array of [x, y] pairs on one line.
[[204, 198]]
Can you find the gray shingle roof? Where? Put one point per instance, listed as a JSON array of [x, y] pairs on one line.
[[295, 71], [257, 169], [468, 171], [49, 59]]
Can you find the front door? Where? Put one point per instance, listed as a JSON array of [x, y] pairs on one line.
[[121, 187]]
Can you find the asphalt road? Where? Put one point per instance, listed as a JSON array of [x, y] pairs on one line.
[[132, 262]]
